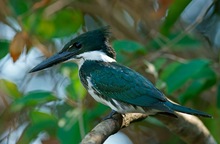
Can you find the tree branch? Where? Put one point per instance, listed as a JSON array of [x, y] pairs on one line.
[[189, 128]]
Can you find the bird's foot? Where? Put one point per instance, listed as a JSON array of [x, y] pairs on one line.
[[110, 115]]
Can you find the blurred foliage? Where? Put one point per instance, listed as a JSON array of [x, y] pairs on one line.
[[10, 89], [4, 48], [179, 63], [175, 10]]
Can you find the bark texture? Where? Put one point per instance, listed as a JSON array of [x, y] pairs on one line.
[[189, 128]]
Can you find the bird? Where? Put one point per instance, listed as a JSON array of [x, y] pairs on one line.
[[111, 83]]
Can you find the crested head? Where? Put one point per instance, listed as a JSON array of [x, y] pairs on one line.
[[95, 40], [92, 45]]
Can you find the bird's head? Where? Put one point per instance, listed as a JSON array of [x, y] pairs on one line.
[[92, 45]]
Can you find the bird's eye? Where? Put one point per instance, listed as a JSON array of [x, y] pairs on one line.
[[77, 45]]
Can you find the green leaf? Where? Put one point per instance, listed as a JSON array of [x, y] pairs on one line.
[[174, 12], [155, 43], [218, 96], [37, 116], [195, 88], [10, 88], [165, 73], [206, 73], [62, 23], [40, 122], [19, 6], [4, 48], [187, 42], [184, 72], [67, 22], [127, 48], [160, 84], [96, 112], [168, 70], [32, 99], [75, 89], [159, 63], [69, 129]]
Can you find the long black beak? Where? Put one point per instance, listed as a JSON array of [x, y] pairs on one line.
[[53, 60]]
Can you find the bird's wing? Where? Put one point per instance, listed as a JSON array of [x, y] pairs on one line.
[[112, 80]]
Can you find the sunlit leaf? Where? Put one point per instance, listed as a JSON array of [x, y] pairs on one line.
[[10, 88], [40, 122], [75, 89], [32, 99], [174, 11], [37, 116]]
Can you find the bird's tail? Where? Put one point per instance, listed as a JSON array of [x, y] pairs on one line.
[[187, 110]]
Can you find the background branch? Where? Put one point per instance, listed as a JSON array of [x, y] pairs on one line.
[[189, 128]]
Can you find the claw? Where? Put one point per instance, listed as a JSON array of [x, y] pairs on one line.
[[110, 115]]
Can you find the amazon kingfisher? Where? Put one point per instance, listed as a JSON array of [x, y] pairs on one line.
[[110, 83]]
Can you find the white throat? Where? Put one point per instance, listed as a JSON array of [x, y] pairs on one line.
[[94, 55]]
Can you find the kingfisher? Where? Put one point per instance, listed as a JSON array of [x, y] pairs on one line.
[[110, 83]]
